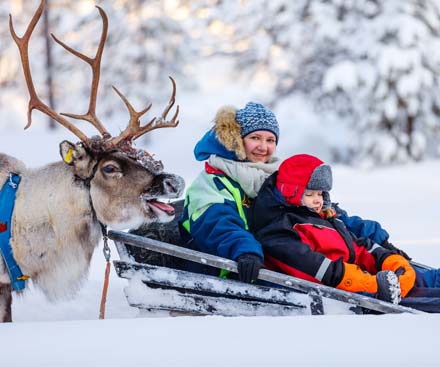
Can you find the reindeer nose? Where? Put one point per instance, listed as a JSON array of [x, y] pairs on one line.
[[169, 186], [173, 185]]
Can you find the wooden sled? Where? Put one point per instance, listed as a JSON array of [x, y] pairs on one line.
[[159, 281]]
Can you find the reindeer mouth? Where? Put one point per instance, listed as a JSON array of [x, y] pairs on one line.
[[162, 207]]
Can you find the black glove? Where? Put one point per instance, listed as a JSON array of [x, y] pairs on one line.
[[249, 266], [388, 286], [391, 247]]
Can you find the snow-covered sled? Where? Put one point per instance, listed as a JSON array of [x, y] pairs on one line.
[[157, 270]]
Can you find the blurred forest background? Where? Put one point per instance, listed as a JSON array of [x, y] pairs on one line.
[[361, 75]]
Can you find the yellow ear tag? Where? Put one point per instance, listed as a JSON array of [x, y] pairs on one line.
[[68, 156]]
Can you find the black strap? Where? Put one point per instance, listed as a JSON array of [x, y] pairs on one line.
[[106, 249], [87, 180]]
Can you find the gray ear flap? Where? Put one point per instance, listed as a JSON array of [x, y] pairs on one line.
[[66, 151], [327, 201]]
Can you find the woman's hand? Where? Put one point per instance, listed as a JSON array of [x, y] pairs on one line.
[[249, 266]]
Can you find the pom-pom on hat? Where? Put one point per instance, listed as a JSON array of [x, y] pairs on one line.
[[254, 117]]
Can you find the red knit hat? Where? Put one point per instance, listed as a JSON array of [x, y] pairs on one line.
[[301, 172]]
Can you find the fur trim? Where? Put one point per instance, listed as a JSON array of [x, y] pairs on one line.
[[228, 131]]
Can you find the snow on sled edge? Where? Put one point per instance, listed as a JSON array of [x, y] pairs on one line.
[[163, 288]]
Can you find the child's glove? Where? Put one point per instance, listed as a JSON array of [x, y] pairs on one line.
[[357, 280], [249, 266], [402, 268]]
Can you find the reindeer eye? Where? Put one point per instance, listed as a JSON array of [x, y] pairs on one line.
[[109, 168]]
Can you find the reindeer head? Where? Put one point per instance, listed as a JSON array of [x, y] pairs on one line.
[[125, 182], [125, 191]]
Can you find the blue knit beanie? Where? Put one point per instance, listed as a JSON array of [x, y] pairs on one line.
[[256, 117]]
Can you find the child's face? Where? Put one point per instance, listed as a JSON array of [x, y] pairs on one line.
[[313, 199]]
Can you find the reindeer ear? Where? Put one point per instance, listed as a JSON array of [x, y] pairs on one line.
[[66, 151], [76, 155]]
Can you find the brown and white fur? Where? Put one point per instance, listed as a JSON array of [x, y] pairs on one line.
[[55, 224]]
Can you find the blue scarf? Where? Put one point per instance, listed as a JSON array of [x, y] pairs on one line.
[[7, 201]]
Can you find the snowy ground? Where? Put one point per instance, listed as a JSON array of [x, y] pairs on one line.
[[403, 198]]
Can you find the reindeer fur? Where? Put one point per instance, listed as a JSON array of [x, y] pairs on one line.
[[55, 227]]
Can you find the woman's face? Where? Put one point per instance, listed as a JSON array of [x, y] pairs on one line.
[[259, 146]]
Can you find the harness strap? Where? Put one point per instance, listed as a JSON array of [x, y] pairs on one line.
[[106, 248], [87, 180], [106, 251], [7, 201]]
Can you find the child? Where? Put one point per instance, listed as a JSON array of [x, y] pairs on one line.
[[293, 219]]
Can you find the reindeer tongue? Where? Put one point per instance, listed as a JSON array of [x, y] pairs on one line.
[[162, 206]]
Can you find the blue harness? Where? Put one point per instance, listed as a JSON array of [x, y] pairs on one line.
[[7, 200]]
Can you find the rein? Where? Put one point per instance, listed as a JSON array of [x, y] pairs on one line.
[[106, 249], [107, 253]]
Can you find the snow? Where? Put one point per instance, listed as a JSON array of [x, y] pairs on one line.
[[219, 342], [403, 198], [67, 333], [342, 75]]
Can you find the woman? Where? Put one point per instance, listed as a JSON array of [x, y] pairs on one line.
[[238, 152]]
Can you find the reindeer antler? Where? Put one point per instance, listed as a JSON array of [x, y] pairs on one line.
[[34, 101], [95, 64], [133, 130]]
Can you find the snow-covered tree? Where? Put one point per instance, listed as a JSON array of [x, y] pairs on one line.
[[13, 96], [7, 69], [262, 36], [384, 78], [372, 64], [146, 43]]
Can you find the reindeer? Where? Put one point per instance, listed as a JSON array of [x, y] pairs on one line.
[[60, 209]]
